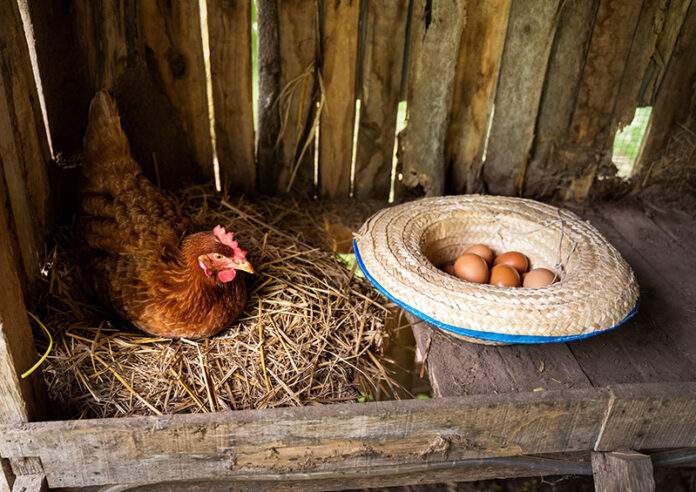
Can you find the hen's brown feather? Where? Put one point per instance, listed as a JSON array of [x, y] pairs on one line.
[[137, 259]]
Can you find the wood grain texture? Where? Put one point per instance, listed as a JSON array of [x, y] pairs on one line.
[[436, 31], [622, 471], [478, 65], [229, 30], [457, 368], [20, 399], [338, 69], [301, 443], [299, 44], [673, 99], [30, 483], [267, 153], [588, 144], [545, 176], [668, 24], [23, 146], [531, 29], [419, 474], [382, 66], [346, 440], [174, 50]]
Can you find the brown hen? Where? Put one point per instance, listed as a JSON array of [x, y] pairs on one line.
[[137, 260]]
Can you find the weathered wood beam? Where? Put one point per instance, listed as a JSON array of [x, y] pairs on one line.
[[381, 85], [622, 471], [530, 34], [24, 149], [298, 26], [339, 42], [267, 153], [436, 31], [30, 483], [229, 29], [478, 66], [348, 439]]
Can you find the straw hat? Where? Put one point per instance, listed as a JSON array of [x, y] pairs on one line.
[[398, 250]]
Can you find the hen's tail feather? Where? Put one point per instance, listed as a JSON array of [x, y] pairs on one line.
[[105, 140]]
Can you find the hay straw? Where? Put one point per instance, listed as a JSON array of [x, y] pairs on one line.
[[309, 335]]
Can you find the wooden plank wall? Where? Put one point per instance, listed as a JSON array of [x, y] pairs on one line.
[[517, 98]]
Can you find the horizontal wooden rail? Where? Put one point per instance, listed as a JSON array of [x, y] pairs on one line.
[[350, 439]]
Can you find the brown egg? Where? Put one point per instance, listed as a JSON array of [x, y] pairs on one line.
[[448, 268], [537, 278], [514, 259], [483, 251], [505, 276], [471, 267]]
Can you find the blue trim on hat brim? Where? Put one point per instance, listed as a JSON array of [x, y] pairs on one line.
[[483, 335]]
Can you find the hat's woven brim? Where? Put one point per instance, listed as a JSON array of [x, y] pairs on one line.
[[398, 250]]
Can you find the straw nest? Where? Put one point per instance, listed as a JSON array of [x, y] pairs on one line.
[[311, 333], [402, 246]]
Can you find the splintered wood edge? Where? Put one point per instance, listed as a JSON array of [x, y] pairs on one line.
[[350, 439]]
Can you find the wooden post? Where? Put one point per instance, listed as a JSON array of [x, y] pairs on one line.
[[436, 32], [338, 70], [622, 471], [229, 27]]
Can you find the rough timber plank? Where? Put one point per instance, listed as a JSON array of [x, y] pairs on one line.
[[348, 439], [668, 28], [23, 145], [174, 46], [299, 38], [458, 368], [544, 176], [30, 483], [531, 29], [674, 96], [436, 31], [301, 443], [419, 474], [478, 65], [339, 64], [622, 471], [269, 89], [20, 399], [229, 29], [588, 143], [382, 68], [112, 52]]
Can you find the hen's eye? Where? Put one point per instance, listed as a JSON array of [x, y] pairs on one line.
[[218, 256]]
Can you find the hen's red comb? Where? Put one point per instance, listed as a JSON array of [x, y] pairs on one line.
[[227, 238]]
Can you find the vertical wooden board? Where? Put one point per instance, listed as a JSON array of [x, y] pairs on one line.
[[339, 62], [674, 96], [299, 35], [478, 66], [63, 79], [229, 28], [544, 175], [436, 33], [173, 47], [531, 30], [20, 399], [622, 471], [23, 145], [650, 23], [267, 154], [382, 65], [101, 31], [589, 141], [668, 23]]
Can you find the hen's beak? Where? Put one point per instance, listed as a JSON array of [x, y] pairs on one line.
[[245, 266]]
